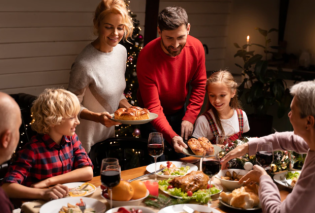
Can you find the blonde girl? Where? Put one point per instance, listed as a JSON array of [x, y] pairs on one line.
[[224, 115], [98, 74]]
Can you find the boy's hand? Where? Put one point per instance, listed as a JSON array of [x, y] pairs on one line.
[[56, 192], [42, 184]]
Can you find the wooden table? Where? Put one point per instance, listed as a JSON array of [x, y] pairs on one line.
[[136, 172]]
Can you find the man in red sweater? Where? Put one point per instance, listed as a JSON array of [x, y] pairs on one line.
[[10, 122], [166, 67]]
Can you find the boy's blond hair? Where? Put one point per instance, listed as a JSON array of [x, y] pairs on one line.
[[51, 107]]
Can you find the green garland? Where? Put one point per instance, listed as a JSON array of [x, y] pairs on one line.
[[281, 161]]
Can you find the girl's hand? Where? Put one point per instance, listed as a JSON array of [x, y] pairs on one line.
[[104, 118], [237, 152], [253, 176]]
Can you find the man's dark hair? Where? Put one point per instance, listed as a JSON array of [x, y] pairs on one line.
[[171, 18]]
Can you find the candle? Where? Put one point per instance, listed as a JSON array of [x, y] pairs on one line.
[[247, 48]]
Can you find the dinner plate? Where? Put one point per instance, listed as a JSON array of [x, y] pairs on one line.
[[179, 208], [151, 168], [76, 184], [188, 151], [152, 116], [232, 207], [55, 205], [144, 209], [216, 185], [282, 176]]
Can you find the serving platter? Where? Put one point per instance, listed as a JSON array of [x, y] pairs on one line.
[[152, 116], [188, 151]]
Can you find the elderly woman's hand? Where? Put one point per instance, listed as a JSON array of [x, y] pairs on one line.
[[104, 118], [253, 176], [237, 152]]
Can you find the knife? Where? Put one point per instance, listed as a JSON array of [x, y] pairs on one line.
[[152, 173]]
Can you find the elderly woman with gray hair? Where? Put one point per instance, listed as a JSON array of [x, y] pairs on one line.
[[302, 140]]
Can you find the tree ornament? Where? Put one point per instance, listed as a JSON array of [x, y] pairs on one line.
[[140, 37], [134, 74], [130, 58], [136, 133], [283, 165], [273, 167], [221, 154]]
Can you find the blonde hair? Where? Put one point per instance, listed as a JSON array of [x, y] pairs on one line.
[[51, 107], [225, 77], [113, 6]]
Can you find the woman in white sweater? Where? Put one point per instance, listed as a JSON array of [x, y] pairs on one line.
[[98, 74]]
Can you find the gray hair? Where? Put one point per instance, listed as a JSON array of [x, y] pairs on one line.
[[304, 92]]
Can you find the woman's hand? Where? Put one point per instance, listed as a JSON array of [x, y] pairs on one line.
[[237, 152], [56, 192], [104, 118], [253, 175]]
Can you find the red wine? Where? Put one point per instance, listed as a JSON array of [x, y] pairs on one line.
[[110, 178], [264, 158], [155, 150], [211, 167]]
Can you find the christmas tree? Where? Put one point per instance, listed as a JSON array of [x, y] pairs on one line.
[[133, 46]]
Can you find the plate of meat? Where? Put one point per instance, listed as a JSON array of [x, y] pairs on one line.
[[194, 185], [133, 116], [201, 147]]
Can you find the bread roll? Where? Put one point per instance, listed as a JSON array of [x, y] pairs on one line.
[[132, 113], [196, 147], [206, 145], [245, 197]]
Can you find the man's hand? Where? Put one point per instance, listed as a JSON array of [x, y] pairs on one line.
[[187, 129], [253, 176], [237, 152], [104, 118], [56, 192], [178, 144]]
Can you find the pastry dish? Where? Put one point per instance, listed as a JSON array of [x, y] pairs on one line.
[[201, 146], [245, 197], [132, 113]]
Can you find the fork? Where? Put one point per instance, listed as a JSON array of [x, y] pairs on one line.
[[283, 180]]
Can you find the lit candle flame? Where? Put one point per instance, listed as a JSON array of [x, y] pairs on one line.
[[248, 39]]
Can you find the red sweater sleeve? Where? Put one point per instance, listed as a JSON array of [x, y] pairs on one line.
[[198, 84], [150, 97]]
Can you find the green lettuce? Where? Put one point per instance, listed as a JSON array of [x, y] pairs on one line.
[[291, 175]]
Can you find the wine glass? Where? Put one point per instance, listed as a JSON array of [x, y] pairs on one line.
[[211, 166], [264, 155], [110, 175], [155, 146]]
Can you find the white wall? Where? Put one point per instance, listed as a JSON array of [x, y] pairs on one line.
[[209, 23], [39, 40], [300, 27]]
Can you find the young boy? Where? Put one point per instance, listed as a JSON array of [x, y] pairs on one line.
[[52, 157]]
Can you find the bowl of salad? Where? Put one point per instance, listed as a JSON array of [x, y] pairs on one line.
[[201, 195], [172, 168]]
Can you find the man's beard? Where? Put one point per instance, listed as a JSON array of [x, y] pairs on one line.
[[173, 53]]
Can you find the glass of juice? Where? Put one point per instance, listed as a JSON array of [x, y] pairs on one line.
[[153, 187]]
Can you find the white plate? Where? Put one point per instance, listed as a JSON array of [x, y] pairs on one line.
[[151, 168], [76, 184], [55, 205], [232, 207], [152, 116], [179, 208], [277, 179], [188, 151], [144, 209], [216, 185]]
